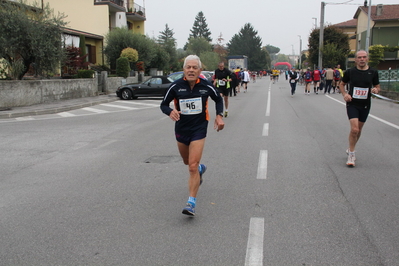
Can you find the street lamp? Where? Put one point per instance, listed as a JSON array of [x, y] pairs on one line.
[[315, 23], [321, 34]]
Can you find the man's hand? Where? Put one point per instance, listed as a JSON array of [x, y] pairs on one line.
[[375, 90], [347, 97], [219, 124], [175, 115]]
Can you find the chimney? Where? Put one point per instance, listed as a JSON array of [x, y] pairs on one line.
[[379, 10], [365, 3]]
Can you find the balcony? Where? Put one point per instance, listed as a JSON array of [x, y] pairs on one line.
[[135, 11], [114, 5]]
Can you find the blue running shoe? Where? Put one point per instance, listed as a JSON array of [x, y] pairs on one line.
[[189, 210], [201, 170]]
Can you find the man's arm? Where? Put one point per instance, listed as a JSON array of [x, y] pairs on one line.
[[169, 96], [346, 95]]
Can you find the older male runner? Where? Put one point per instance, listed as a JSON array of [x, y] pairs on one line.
[[190, 95]]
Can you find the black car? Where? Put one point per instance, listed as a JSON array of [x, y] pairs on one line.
[[155, 86], [177, 75]]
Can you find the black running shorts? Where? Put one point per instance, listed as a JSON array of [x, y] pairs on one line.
[[359, 112]]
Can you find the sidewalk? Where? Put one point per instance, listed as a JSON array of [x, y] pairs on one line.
[[56, 107]]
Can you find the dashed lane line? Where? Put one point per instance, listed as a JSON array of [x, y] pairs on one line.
[[254, 255], [262, 165]]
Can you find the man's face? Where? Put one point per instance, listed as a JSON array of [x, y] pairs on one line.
[[361, 59], [221, 66], [192, 70]]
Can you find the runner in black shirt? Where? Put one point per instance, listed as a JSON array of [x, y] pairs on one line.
[[222, 83], [362, 81]]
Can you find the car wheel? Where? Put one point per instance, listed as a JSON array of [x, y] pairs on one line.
[[126, 94]]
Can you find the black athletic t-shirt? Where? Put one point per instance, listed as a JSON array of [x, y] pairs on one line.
[[222, 74], [360, 84]]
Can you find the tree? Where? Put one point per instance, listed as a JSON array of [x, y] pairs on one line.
[[330, 54], [272, 49], [122, 67], [209, 60], [200, 28], [82, 45], [198, 45], [121, 38], [332, 35], [130, 54], [268, 58], [161, 59], [73, 62], [246, 42], [167, 41], [31, 35]]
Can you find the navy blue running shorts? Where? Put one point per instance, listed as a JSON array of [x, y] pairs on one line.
[[188, 139], [359, 112]]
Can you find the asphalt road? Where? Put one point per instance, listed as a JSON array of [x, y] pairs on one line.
[[104, 185]]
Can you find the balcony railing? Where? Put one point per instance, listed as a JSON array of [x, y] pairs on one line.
[[129, 5], [135, 8], [117, 2]]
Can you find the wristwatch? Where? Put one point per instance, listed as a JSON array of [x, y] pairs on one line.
[[221, 114]]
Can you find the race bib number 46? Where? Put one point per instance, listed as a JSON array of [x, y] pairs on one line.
[[360, 93], [191, 106]]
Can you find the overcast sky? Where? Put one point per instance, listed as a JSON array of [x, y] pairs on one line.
[[278, 23]]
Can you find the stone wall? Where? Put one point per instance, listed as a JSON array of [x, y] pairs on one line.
[[15, 93], [18, 93]]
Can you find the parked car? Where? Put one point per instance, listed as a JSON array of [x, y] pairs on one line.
[[177, 75], [155, 86]]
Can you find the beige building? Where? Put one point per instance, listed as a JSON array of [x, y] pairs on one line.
[[349, 28], [94, 19], [384, 30]]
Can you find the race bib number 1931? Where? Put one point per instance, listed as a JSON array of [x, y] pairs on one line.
[[191, 106], [360, 93]]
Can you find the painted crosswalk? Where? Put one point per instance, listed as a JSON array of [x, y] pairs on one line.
[[104, 108]]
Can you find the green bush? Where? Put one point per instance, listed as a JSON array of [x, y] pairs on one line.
[[84, 74], [122, 67]]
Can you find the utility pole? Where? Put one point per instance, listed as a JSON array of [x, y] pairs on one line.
[[300, 52], [321, 36], [368, 28]]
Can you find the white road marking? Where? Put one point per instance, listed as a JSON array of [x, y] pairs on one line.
[[370, 115], [106, 144], [27, 118], [268, 103], [65, 114], [140, 103], [118, 106], [262, 165], [254, 256], [94, 110], [265, 131]]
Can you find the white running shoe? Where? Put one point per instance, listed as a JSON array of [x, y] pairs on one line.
[[351, 159]]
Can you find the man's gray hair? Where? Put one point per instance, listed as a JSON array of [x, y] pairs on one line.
[[361, 51], [192, 57]]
